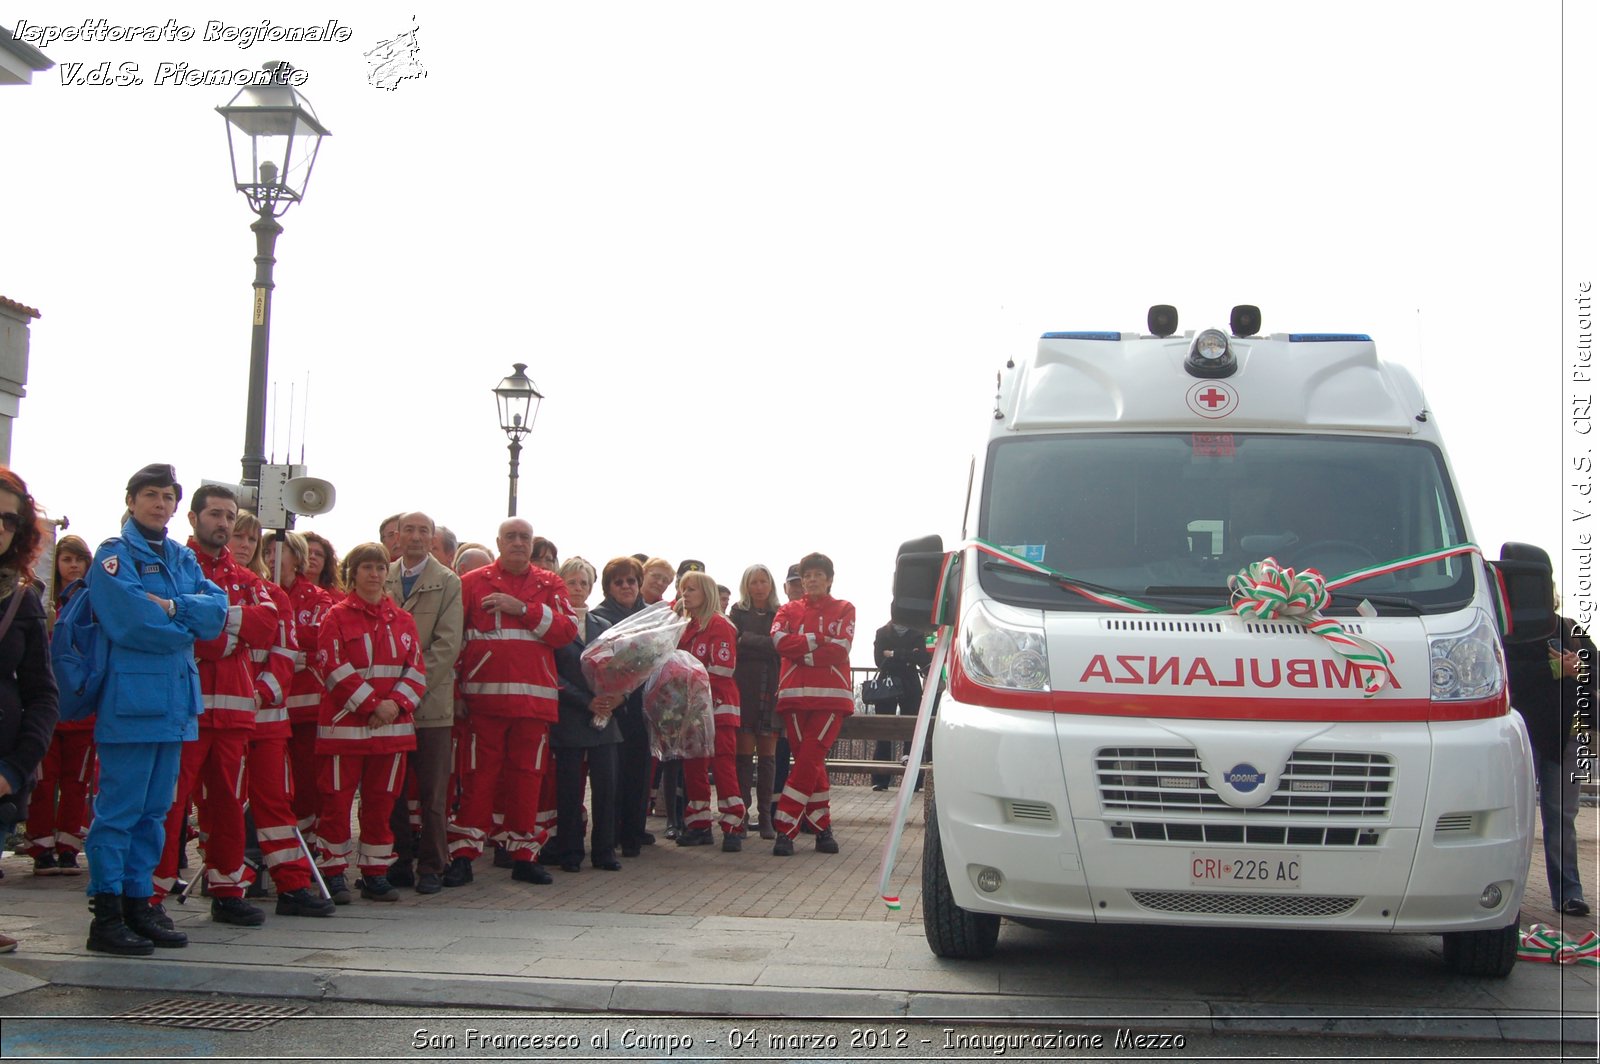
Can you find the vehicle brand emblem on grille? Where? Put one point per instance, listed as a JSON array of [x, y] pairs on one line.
[[1245, 777]]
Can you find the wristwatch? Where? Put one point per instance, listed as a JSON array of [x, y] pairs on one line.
[[172, 608]]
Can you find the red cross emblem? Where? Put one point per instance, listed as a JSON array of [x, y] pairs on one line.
[[1213, 399]]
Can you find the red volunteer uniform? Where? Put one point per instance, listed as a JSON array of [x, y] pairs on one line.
[[310, 603], [215, 761], [367, 653], [507, 677], [58, 811], [813, 637], [270, 781], [717, 647]]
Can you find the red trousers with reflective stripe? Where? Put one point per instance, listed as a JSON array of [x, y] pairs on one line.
[[215, 764], [514, 751], [811, 732], [68, 769], [303, 764], [697, 789], [272, 808], [379, 778]]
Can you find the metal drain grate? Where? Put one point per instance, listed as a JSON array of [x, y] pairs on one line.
[[209, 1015]]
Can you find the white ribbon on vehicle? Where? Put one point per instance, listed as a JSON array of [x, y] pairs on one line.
[[919, 741]]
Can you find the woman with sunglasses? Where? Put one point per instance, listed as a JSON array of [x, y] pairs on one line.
[[27, 682], [619, 584]]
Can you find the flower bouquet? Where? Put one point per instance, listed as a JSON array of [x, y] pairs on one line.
[[624, 655], [677, 708]]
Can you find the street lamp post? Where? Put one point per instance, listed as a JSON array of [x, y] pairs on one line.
[[273, 137], [518, 401]]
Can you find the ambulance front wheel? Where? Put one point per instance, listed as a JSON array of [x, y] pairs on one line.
[[1483, 952], [951, 930]]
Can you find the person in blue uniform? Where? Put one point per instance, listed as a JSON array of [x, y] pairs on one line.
[[153, 603]]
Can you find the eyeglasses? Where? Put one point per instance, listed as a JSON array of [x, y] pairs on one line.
[[625, 580], [12, 522]]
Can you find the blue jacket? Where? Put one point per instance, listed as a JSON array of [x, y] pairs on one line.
[[152, 690]]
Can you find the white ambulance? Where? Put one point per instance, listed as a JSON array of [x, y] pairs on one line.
[[1118, 740]]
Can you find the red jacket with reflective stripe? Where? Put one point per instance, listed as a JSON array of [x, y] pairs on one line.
[[275, 669], [309, 603], [366, 653], [507, 665], [227, 675], [813, 638], [717, 647]]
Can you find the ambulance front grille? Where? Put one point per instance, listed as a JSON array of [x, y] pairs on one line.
[[1162, 780], [1288, 906], [1190, 831], [1290, 628], [1118, 624]]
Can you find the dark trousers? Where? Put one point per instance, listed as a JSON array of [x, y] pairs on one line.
[[428, 770], [633, 778], [602, 760], [884, 750]]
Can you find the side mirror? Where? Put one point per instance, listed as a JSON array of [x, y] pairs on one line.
[[918, 565], [1525, 576]]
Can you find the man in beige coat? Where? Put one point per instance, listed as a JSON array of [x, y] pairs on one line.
[[431, 593]]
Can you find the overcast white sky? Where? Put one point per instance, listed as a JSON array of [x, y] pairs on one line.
[[764, 260]]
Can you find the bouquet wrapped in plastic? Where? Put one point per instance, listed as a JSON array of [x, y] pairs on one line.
[[624, 655], [677, 707]]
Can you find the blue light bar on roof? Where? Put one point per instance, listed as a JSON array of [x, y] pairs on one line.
[[1327, 338], [1081, 336]]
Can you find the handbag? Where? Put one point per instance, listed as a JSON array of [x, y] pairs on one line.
[[79, 655], [882, 688]]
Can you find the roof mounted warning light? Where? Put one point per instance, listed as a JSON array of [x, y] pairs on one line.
[[1210, 355], [1245, 320], [1162, 320]]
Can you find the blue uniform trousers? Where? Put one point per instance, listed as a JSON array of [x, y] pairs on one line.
[[137, 783]]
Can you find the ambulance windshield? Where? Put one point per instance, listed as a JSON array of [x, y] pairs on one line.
[[1167, 518]]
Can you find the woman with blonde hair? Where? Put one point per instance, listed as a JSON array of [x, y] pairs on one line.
[[245, 543], [291, 556], [711, 638], [585, 737], [756, 676]]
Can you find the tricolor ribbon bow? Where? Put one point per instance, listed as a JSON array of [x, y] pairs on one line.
[[1546, 945], [1266, 591]]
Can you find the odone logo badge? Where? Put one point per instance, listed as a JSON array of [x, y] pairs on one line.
[[1244, 777]]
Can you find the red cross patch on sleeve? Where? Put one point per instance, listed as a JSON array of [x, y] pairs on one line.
[[110, 565]]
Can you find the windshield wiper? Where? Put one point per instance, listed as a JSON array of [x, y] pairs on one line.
[[1393, 602], [1212, 593], [1067, 583], [1064, 582]]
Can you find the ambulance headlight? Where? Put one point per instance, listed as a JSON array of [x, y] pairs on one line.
[[1466, 666], [1001, 654], [1210, 355]]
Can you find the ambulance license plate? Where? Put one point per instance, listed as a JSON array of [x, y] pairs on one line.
[[1252, 871]]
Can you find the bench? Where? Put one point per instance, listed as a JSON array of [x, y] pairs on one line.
[[873, 727]]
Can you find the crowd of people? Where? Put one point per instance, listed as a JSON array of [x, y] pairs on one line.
[[430, 691]]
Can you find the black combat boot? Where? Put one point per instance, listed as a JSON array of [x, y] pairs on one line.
[[108, 933], [142, 919]]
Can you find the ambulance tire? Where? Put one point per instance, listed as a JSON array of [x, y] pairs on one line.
[[1492, 953], [951, 930]]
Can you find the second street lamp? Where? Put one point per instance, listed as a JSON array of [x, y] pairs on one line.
[[519, 401], [273, 136]]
